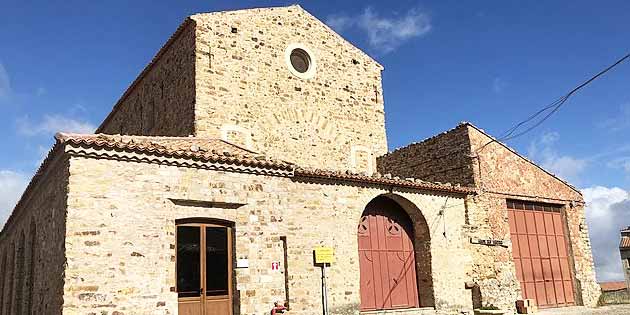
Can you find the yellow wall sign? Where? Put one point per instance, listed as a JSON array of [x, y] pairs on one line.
[[324, 255]]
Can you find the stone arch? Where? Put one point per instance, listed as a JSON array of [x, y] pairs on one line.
[[3, 267], [20, 274], [422, 247], [8, 295], [380, 216], [30, 272]]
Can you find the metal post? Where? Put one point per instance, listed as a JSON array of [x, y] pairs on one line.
[[324, 290]]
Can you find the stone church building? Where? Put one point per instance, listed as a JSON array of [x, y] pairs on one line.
[[255, 136]]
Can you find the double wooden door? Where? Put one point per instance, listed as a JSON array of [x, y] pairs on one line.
[[386, 258], [541, 254], [204, 269]]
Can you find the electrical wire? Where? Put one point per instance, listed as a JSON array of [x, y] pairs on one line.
[[550, 109]]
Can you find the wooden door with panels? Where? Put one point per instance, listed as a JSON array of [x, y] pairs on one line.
[[541, 253], [204, 269], [386, 258]]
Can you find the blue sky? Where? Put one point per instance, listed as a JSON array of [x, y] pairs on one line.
[[64, 64]]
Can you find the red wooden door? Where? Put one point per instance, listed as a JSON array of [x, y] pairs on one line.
[[386, 259], [540, 253]]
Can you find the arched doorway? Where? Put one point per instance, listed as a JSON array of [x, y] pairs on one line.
[[387, 257], [204, 267]]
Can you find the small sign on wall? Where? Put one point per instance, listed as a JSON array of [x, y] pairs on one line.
[[324, 255], [275, 266], [242, 263], [488, 242]]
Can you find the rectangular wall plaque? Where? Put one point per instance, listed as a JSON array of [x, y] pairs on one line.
[[487, 242], [242, 263], [324, 255]]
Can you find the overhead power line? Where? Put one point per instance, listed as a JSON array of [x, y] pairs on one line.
[[549, 110]]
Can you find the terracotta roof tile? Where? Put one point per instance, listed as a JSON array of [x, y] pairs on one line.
[[613, 286], [205, 149], [212, 151], [382, 180], [219, 151], [625, 242]]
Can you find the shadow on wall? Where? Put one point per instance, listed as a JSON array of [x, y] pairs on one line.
[[346, 309], [614, 297]]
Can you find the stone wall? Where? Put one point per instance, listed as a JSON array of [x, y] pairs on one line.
[[442, 158], [32, 247], [499, 169], [161, 100], [225, 75], [499, 173], [502, 174], [246, 92], [625, 264], [129, 237]]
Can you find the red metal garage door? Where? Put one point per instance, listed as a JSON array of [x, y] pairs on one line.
[[386, 257], [540, 252]]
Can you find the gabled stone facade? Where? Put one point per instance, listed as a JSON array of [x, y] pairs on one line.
[[225, 75]]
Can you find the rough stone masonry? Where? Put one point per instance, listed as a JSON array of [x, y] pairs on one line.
[[267, 124]]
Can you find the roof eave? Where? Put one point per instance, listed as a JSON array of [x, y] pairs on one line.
[[383, 181]]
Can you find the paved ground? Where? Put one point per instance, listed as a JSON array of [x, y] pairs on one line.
[[604, 310]]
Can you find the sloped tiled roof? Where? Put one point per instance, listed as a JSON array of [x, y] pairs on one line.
[[382, 180], [613, 286], [219, 151], [222, 152], [203, 149]]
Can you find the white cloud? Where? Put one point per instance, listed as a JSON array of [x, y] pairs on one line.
[[339, 22], [12, 185], [620, 163], [5, 83], [566, 167], [385, 34], [620, 121], [498, 85], [606, 214], [42, 153], [549, 138], [77, 109], [51, 124]]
